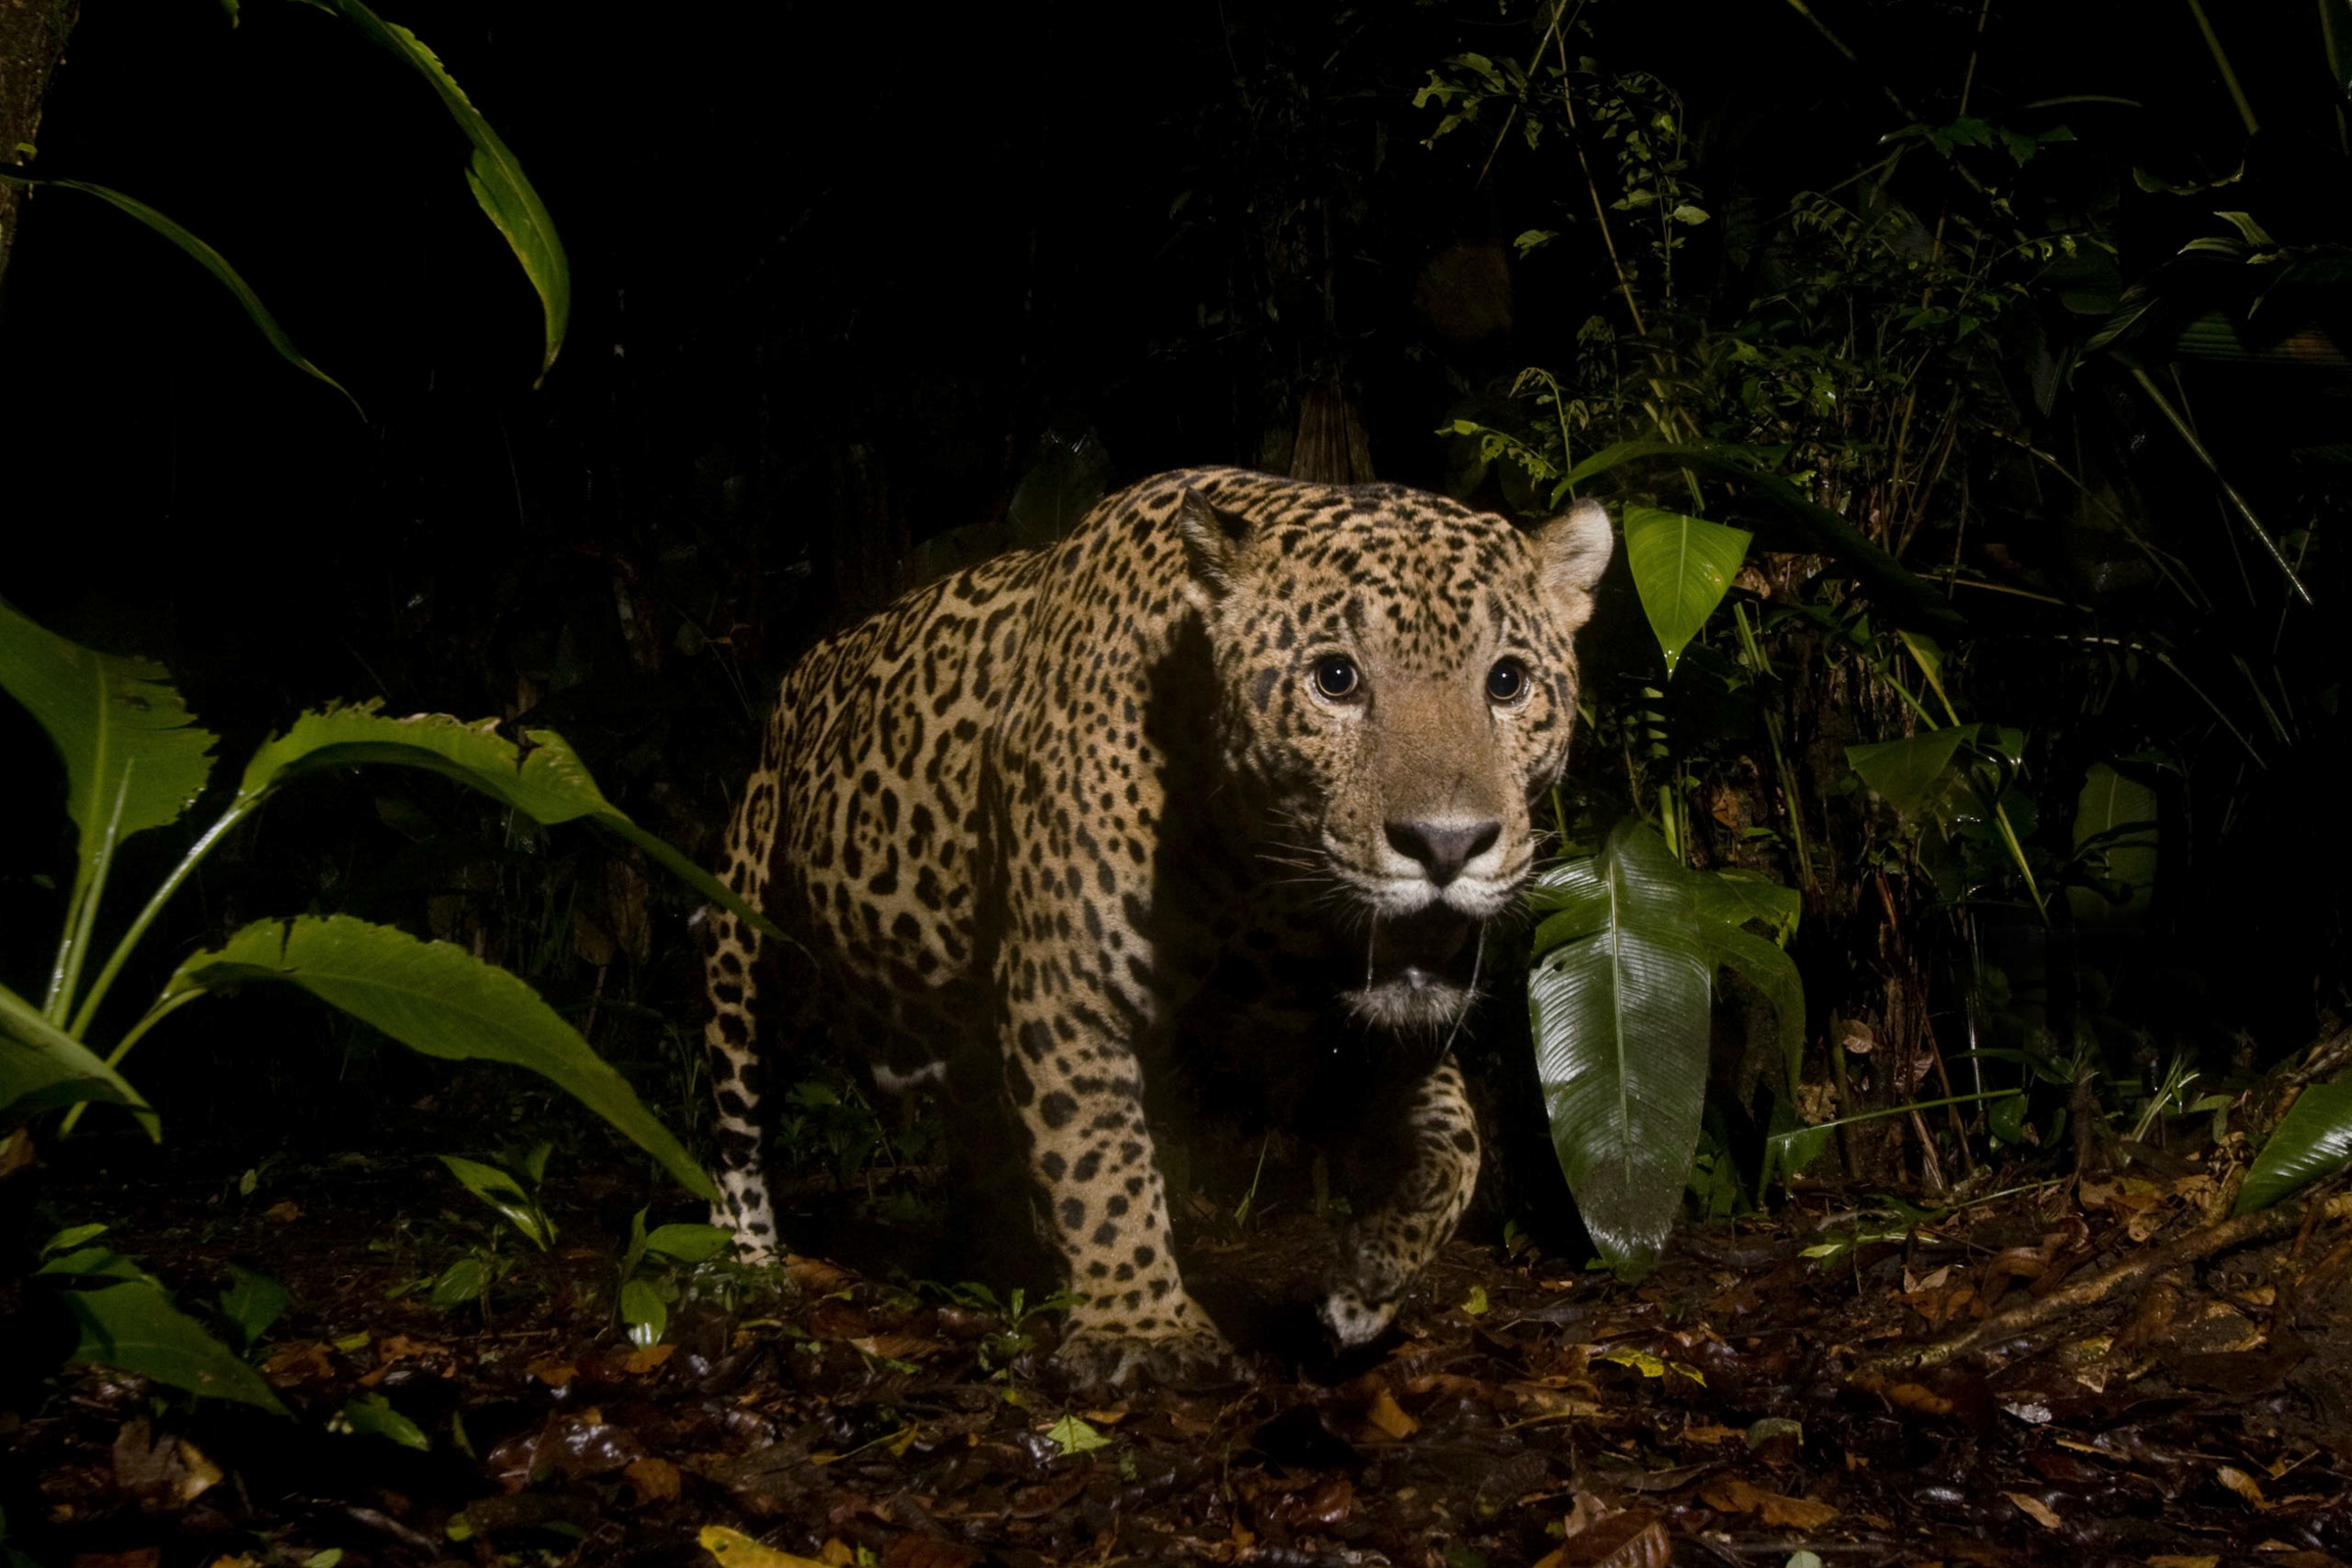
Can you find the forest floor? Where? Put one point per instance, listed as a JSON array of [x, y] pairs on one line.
[[2092, 1372]]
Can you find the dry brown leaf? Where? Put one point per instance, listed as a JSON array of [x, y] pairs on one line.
[[1731, 1495], [2034, 1508], [656, 1480], [294, 1362], [1389, 1417], [554, 1371], [2175, 1561], [285, 1211], [2244, 1484], [817, 1276], [644, 1359], [1710, 1433]]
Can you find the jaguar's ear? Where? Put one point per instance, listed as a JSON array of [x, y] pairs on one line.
[[1572, 551], [1213, 542]]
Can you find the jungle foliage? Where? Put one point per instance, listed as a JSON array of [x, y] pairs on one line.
[[1984, 614], [1969, 386]]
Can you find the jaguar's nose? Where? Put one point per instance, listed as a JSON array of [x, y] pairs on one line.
[[1443, 847]]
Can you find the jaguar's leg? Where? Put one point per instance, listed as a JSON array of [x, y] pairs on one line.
[[1385, 1249], [1075, 1091]]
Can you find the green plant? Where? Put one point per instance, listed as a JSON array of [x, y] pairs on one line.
[[1620, 996], [128, 1320], [1021, 1316], [654, 1270], [135, 761], [2005, 696], [493, 174]]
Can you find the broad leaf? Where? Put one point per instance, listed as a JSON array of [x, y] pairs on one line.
[[1619, 1000], [372, 1415], [251, 1303], [133, 1327], [1736, 897], [439, 1000], [1908, 771], [547, 782], [500, 1190], [645, 1311], [211, 260], [2115, 824], [2314, 1139], [134, 757], [688, 1243], [1681, 568], [42, 1068], [494, 175]]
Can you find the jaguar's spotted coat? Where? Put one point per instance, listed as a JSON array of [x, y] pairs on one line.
[[1242, 762]]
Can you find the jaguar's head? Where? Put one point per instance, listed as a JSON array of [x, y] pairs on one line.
[[1397, 684]]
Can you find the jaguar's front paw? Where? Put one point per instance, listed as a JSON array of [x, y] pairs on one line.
[[1104, 1354]]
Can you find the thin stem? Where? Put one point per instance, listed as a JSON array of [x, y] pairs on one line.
[[2245, 510], [2213, 42], [1600, 213], [237, 812], [82, 913]]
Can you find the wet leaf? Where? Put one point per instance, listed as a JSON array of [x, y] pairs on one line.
[[1681, 568], [2314, 1139]]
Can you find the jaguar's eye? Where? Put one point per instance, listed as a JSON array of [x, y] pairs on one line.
[[1507, 682], [1336, 676]]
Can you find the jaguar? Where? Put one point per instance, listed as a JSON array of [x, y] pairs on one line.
[[1238, 773]]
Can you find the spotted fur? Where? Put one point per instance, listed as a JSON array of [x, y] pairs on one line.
[[1244, 765]]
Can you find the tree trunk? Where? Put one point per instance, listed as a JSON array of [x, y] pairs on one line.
[[32, 44]]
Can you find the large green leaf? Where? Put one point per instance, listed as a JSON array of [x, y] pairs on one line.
[[211, 260], [494, 175], [2115, 821], [1619, 997], [1909, 772], [134, 757], [42, 1068], [439, 1000], [547, 782], [127, 1322], [2314, 1139], [1681, 568]]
